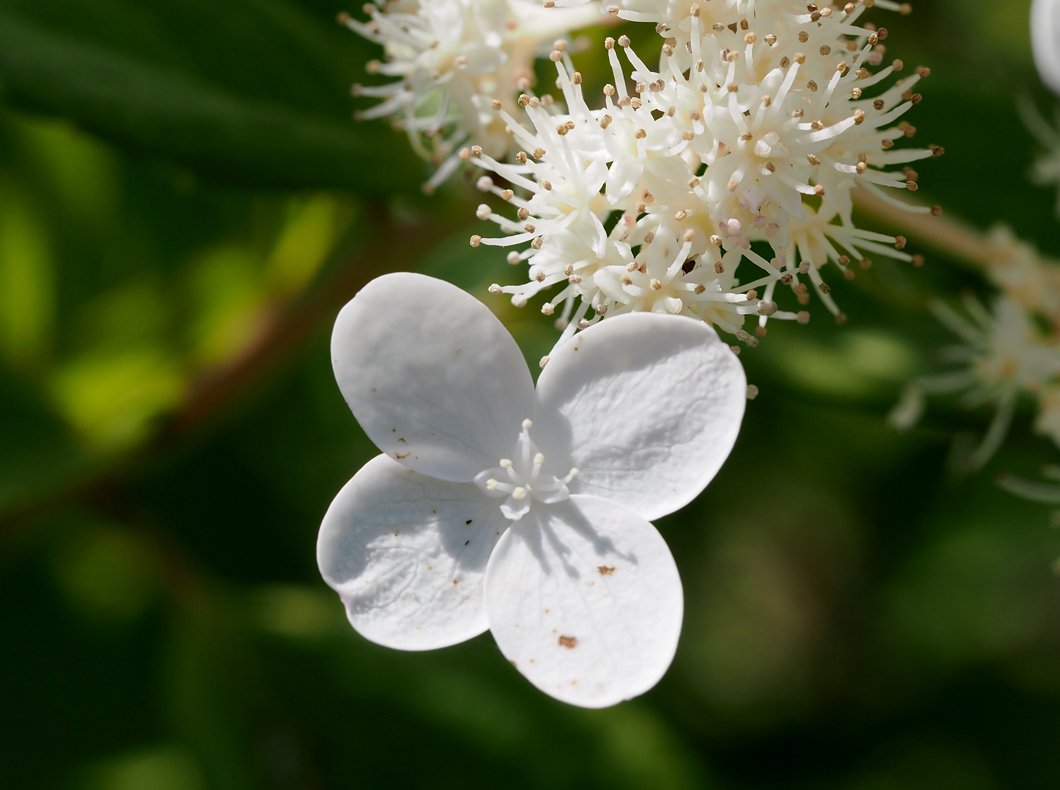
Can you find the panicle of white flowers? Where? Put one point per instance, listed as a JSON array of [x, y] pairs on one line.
[[716, 180], [447, 60], [619, 166], [1008, 351]]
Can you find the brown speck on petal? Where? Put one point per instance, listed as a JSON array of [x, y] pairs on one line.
[[606, 570], [569, 642]]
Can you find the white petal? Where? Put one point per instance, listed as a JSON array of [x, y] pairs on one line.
[[647, 406], [407, 554], [1045, 40], [585, 600], [431, 375], [546, 23]]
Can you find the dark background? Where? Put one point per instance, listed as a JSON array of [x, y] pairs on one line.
[[185, 204]]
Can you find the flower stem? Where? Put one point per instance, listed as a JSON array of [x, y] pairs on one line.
[[953, 237]]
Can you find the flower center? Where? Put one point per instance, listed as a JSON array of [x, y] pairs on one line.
[[521, 479]]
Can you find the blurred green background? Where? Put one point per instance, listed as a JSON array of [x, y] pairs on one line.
[[184, 206]]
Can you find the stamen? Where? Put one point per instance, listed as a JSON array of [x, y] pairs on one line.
[[529, 480]]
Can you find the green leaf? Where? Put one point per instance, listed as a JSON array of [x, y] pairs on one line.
[[251, 90], [37, 449]]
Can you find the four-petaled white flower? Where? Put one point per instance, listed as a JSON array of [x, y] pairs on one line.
[[527, 513]]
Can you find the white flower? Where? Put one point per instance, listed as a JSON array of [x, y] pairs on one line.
[[449, 60], [1045, 44], [1005, 355], [1045, 41], [526, 513], [743, 146], [1010, 351], [622, 166], [1024, 276], [1045, 170]]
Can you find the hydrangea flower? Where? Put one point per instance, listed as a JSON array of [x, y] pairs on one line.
[[448, 60], [527, 513], [718, 178]]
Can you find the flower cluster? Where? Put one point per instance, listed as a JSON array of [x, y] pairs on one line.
[[1008, 351], [706, 188], [449, 59], [709, 183]]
